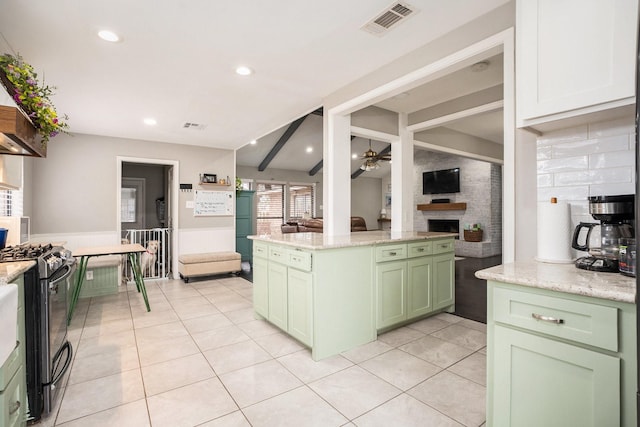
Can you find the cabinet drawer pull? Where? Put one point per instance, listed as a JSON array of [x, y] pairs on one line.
[[420, 249], [393, 253], [13, 407], [546, 318]]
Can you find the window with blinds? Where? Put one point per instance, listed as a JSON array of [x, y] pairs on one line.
[[301, 200], [11, 203], [270, 207]]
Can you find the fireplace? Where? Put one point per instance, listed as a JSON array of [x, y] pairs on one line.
[[444, 225]]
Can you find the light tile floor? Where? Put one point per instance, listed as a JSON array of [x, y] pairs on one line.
[[200, 358]]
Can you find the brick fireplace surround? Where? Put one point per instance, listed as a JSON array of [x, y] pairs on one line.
[[480, 189]]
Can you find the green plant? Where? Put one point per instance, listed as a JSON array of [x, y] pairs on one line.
[[32, 97], [238, 184]]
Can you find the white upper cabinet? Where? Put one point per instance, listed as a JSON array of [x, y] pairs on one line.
[[574, 57]]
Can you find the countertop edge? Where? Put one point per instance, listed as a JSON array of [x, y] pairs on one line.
[[317, 241], [11, 270], [564, 278]]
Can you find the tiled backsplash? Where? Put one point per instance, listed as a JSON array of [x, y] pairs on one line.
[[591, 160]]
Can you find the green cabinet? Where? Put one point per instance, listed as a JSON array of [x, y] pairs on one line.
[[444, 273], [323, 298], [574, 385], [260, 286], [300, 305], [13, 379], [420, 287], [557, 359], [277, 276], [245, 220], [282, 293], [411, 281], [391, 280]]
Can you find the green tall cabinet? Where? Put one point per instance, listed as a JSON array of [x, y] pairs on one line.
[[245, 220]]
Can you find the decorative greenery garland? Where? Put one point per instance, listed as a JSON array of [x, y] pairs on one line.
[[32, 97]]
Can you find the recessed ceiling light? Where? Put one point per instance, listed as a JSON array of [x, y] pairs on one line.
[[150, 122], [253, 142], [309, 149], [109, 36], [244, 70], [480, 66]]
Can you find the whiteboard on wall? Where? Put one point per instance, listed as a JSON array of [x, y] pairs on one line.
[[213, 203]]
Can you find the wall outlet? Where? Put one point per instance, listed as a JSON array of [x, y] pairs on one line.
[[89, 275]]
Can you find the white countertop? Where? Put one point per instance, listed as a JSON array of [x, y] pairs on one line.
[[10, 270], [360, 238], [564, 278]]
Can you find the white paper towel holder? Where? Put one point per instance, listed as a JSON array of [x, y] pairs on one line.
[[554, 200]]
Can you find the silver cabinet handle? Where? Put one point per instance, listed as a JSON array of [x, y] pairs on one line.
[[13, 407], [546, 318]]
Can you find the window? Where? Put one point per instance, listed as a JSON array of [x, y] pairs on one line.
[[270, 207], [301, 200], [11, 203]]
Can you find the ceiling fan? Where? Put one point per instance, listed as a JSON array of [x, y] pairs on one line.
[[371, 159]]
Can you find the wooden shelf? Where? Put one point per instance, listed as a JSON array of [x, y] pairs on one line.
[[443, 207], [19, 134], [384, 219], [213, 184]]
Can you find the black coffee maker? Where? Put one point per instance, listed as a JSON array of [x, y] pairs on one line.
[[616, 215]]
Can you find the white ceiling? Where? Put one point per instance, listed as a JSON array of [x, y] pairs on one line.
[[176, 59], [293, 156]]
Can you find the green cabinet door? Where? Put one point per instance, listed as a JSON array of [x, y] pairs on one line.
[[419, 287], [277, 277], [443, 280], [300, 313], [574, 385], [391, 279], [261, 287], [245, 220]]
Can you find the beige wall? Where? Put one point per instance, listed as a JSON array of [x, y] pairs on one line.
[[73, 190]]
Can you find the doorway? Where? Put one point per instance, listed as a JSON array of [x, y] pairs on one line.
[[146, 213]]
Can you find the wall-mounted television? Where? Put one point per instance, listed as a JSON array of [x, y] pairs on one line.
[[441, 181]]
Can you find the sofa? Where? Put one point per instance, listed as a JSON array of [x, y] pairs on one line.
[[315, 225]]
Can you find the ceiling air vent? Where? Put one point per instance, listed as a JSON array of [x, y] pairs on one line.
[[388, 18], [193, 126]]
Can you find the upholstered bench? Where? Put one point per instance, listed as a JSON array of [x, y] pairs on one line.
[[102, 276], [207, 264]]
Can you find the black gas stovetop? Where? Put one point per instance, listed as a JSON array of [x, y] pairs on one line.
[[24, 252]]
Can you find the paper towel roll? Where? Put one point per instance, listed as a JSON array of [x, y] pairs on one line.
[[554, 232]]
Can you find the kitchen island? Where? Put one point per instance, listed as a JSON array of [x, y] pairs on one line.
[[333, 293], [561, 346]]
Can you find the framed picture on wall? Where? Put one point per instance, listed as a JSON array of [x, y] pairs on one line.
[[387, 199], [208, 178]]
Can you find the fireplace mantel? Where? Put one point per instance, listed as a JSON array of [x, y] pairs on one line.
[[443, 207]]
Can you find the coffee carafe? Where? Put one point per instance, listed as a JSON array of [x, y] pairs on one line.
[[616, 216]]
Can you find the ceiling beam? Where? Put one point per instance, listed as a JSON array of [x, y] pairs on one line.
[[359, 172], [283, 140], [314, 170], [318, 112]]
